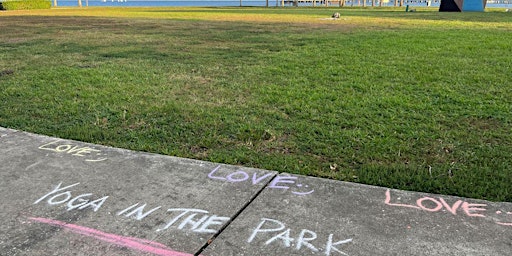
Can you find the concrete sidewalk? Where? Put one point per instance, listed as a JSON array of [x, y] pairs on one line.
[[62, 197]]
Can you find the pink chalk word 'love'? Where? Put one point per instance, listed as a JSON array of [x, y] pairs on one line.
[[431, 204]]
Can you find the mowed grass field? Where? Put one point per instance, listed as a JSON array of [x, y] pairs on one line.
[[418, 101]]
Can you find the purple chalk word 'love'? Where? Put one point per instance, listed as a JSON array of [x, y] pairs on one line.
[[284, 182]]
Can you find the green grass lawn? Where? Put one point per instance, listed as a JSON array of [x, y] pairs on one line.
[[418, 101]]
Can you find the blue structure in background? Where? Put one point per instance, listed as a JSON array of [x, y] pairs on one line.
[[473, 6], [462, 5]]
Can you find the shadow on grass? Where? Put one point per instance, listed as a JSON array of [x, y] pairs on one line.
[[422, 13]]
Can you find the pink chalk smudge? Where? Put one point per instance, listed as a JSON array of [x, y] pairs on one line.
[[504, 223], [129, 242]]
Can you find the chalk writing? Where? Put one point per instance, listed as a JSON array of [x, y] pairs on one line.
[[124, 241], [509, 214], [60, 196], [186, 218], [278, 233], [195, 220], [66, 147], [430, 204], [279, 182], [138, 212]]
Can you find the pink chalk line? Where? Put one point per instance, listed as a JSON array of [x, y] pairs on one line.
[[125, 241]]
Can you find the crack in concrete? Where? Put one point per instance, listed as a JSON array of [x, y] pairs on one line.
[[242, 209]]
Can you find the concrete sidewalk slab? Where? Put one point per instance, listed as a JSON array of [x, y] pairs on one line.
[[5, 131], [62, 197], [341, 218]]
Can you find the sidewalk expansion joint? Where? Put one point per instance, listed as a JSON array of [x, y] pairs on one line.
[[242, 209]]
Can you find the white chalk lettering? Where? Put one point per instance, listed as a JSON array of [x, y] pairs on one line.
[[330, 245], [259, 229], [79, 198], [95, 205], [212, 220], [302, 240], [138, 212], [184, 212], [55, 190], [191, 220], [65, 197], [284, 236], [58, 196]]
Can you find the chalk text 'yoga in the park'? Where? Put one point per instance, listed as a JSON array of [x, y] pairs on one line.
[[268, 231]]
